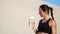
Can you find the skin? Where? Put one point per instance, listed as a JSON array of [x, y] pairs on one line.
[[45, 16]]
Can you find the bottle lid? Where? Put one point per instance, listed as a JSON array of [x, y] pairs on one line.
[[31, 17]]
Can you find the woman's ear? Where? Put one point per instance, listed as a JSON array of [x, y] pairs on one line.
[[46, 11]]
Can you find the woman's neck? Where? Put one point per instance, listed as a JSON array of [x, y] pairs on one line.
[[46, 17]]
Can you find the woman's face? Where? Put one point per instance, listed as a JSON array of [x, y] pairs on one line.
[[41, 12]]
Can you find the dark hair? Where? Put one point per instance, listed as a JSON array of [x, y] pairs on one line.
[[51, 10], [45, 7]]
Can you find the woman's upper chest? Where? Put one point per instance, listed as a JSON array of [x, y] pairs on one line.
[[44, 23]]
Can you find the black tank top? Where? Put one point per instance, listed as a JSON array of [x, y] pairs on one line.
[[44, 27]]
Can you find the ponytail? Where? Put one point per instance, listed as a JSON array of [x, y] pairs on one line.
[[51, 10]]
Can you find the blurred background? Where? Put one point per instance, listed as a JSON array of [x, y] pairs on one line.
[[14, 15]]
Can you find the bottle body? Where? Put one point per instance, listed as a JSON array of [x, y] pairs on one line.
[[31, 21]]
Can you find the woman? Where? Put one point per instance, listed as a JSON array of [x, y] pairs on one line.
[[47, 25]]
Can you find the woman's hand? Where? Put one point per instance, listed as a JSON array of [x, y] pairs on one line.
[[33, 26]]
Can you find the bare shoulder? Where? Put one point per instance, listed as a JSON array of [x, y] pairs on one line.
[[53, 22]]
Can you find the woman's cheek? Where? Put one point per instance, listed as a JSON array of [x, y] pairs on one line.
[[41, 14]]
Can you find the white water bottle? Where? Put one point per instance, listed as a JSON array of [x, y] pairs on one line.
[[31, 21]]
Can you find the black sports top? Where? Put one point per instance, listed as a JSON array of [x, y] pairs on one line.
[[44, 27]]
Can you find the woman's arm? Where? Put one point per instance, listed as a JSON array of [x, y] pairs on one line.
[[53, 26], [33, 27]]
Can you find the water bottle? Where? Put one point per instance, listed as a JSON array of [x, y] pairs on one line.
[[31, 21]]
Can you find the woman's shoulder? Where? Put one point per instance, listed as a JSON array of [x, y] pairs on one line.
[[52, 21]]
